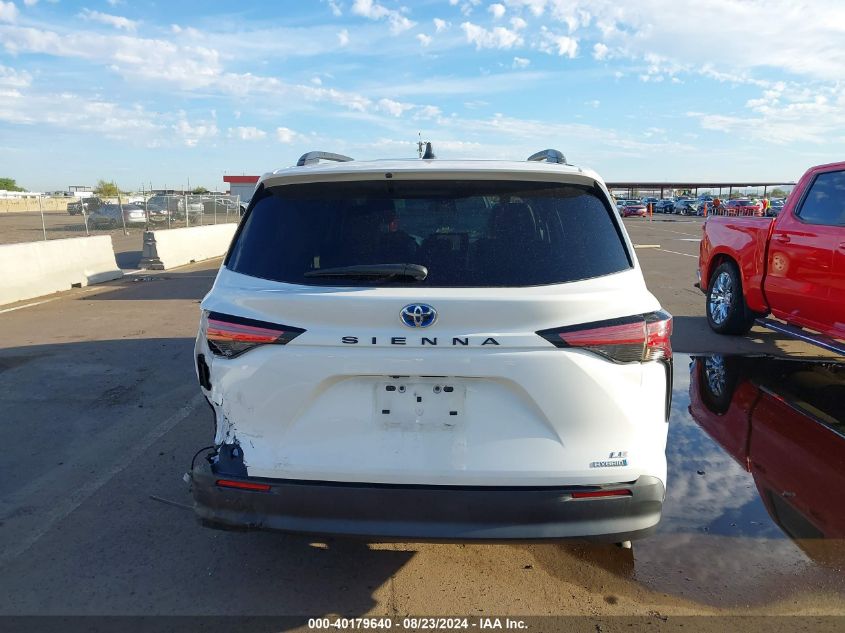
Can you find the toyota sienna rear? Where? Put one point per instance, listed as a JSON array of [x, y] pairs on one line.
[[432, 349]]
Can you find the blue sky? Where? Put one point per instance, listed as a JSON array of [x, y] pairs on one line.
[[166, 92]]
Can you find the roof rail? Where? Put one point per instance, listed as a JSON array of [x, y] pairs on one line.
[[550, 156], [312, 158]]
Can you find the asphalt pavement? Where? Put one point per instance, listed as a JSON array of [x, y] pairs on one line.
[[102, 415]]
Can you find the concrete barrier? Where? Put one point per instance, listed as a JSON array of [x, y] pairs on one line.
[[33, 269], [170, 248]]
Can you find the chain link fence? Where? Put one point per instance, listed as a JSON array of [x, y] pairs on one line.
[[47, 218], [125, 219]]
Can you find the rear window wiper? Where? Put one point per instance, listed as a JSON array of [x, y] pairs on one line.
[[374, 271]]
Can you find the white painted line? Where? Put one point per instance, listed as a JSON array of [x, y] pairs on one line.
[[687, 239], [646, 245], [28, 305], [665, 250], [664, 230]]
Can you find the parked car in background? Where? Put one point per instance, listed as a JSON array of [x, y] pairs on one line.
[[775, 206], [157, 209], [686, 206], [743, 207], [195, 206], [174, 205], [108, 216], [667, 205], [219, 205], [87, 205], [634, 208], [648, 201], [792, 266]]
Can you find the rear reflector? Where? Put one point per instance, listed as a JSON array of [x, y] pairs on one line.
[[602, 493], [637, 338], [243, 485], [230, 336]]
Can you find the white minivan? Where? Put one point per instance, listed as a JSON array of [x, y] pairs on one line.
[[434, 349]]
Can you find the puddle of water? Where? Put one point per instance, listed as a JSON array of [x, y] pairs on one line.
[[755, 507]]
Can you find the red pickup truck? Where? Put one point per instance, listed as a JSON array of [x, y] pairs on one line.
[[792, 266]]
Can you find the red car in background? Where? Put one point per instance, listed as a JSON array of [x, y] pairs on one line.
[[743, 207], [633, 208]]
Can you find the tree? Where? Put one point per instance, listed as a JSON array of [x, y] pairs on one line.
[[9, 184], [198, 190], [106, 189], [777, 192]]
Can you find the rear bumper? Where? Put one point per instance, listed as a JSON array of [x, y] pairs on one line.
[[419, 513]]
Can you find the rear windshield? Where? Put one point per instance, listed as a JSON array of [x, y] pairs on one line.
[[472, 233]]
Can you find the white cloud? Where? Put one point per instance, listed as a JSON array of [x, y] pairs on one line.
[[132, 57], [784, 113], [518, 24], [809, 41], [440, 25], [335, 7], [374, 11], [595, 103], [468, 6], [499, 37], [287, 135], [117, 21], [393, 108], [497, 10], [343, 37], [424, 39], [428, 112], [8, 11], [600, 51], [316, 81], [30, 3], [247, 133], [11, 78], [80, 113], [192, 134], [562, 44], [537, 7], [521, 62]]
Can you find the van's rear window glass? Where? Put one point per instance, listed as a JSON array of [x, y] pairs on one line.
[[467, 233]]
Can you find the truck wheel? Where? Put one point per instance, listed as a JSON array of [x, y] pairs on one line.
[[727, 312], [717, 377]]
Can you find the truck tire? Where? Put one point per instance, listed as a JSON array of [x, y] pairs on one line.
[[727, 312], [717, 379]]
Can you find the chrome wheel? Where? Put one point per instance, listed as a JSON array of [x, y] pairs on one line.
[[714, 371], [721, 298]]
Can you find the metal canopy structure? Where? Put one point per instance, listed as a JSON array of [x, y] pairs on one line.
[[663, 186]]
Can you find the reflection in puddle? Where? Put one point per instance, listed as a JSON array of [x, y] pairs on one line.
[[755, 506]]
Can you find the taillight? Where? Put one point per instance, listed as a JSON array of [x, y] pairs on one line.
[[230, 336], [632, 339], [597, 494], [243, 485]]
